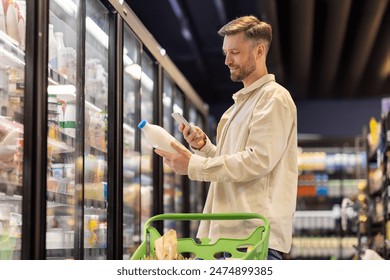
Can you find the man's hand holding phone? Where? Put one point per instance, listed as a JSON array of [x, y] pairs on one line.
[[194, 136]]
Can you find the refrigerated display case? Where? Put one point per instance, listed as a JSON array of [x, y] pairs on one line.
[[12, 67], [78, 180]]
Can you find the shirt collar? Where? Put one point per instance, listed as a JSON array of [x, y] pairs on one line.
[[257, 84]]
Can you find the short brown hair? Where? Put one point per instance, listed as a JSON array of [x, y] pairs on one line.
[[253, 28]]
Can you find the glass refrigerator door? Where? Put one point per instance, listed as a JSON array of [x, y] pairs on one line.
[[61, 100], [148, 91], [173, 101], [178, 180], [95, 152], [169, 183], [12, 62], [131, 156], [76, 179], [196, 187]]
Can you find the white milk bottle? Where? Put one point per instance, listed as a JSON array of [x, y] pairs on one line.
[[53, 57], [11, 20], [158, 137], [61, 52]]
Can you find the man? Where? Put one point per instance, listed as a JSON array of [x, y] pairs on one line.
[[253, 167]]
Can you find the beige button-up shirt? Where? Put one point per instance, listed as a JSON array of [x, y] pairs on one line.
[[253, 167]]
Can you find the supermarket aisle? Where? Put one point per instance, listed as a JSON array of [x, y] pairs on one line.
[[79, 181]]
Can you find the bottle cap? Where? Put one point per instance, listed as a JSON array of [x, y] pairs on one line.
[[142, 124]]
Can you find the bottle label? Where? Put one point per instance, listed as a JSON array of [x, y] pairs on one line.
[[68, 124]]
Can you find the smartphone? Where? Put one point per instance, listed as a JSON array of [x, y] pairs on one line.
[[180, 119]]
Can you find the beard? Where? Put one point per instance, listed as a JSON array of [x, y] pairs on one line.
[[244, 71]]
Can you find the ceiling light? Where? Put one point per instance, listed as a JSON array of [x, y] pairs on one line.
[[163, 52]]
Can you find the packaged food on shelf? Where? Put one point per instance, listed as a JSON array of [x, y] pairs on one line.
[[4, 92], [5, 214], [97, 130], [15, 224], [91, 226], [18, 159], [57, 170], [70, 64], [55, 238], [67, 118], [68, 239], [373, 136], [375, 178], [69, 170], [94, 191], [52, 184]]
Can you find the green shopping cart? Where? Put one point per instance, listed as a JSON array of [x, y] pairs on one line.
[[257, 241]]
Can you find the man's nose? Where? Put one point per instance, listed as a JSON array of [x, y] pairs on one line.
[[228, 60]]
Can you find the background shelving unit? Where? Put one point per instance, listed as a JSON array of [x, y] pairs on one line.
[[375, 230], [330, 170]]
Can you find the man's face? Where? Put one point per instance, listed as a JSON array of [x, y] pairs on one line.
[[240, 57]]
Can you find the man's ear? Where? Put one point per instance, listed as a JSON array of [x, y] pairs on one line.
[[261, 49]]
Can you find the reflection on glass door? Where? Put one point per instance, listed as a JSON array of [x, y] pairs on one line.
[[12, 62], [131, 156]]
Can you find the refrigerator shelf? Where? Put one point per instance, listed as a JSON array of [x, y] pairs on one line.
[[10, 54], [60, 147]]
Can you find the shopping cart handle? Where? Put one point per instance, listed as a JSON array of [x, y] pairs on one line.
[[205, 216]]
